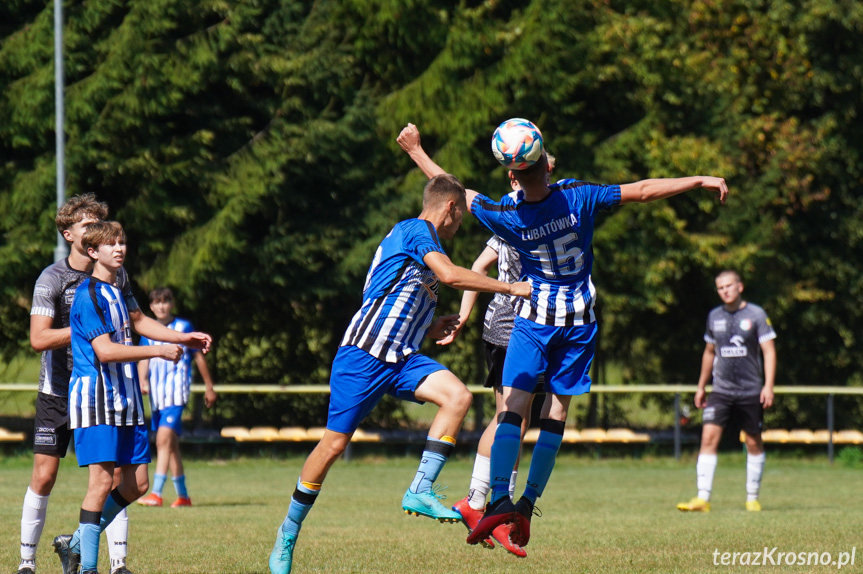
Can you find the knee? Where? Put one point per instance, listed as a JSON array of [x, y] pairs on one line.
[[43, 480], [462, 398]]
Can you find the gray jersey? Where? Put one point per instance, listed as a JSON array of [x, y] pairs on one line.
[[52, 297], [737, 336], [500, 314]]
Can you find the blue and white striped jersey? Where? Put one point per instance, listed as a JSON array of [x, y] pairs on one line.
[[399, 296], [170, 383], [52, 297], [101, 393], [554, 240]]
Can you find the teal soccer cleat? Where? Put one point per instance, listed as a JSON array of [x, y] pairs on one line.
[[283, 553], [428, 504]]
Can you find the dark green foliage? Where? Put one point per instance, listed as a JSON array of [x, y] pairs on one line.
[[248, 148]]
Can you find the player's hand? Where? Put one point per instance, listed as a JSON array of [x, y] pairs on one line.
[[443, 327], [718, 185], [210, 398], [171, 353], [700, 399], [145, 388], [199, 341], [409, 138], [455, 333], [767, 397], [520, 289]]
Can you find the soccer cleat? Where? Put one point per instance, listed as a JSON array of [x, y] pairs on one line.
[[151, 499], [283, 553], [181, 501], [69, 560], [26, 570], [503, 535], [89, 572], [753, 506], [524, 509], [694, 505], [496, 513], [470, 516], [121, 570], [428, 504]]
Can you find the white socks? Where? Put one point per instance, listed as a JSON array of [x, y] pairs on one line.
[[32, 520], [754, 469], [480, 482], [705, 469], [117, 534]]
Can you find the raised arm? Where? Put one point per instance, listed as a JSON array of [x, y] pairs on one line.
[[154, 330], [648, 190], [460, 278], [409, 140]]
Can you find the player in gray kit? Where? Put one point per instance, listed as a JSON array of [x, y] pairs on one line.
[[736, 331]]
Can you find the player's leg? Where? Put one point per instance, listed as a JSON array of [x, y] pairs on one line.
[[357, 383], [117, 532], [430, 382], [751, 415], [715, 417], [101, 477], [51, 439], [132, 481]]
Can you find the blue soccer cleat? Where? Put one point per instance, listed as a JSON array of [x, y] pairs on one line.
[[283, 553], [429, 504]]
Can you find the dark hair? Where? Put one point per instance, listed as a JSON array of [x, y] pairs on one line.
[[537, 173], [161, 294], [102, 233], [440, 188], [79, 208]]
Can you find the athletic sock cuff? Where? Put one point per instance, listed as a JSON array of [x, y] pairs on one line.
[[440, 447], [90, 517], [509, 417], [118, 499]]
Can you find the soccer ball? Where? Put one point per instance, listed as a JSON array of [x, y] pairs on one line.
[[516, 144]]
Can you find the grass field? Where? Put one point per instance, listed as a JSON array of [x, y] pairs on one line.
[[600, 516]]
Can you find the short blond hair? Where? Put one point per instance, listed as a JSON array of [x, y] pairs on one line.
[[102, 233]]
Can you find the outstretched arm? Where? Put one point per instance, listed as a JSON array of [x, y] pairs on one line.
[[154, 330], [108, 351], [460, 278], [483, 263], [648, 190], [409, 140]]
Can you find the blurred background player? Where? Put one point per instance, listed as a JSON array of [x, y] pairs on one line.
[[50, 334], [106, 409], [168, 384], [738, 329], [379, 355]]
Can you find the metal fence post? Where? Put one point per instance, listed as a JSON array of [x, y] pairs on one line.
[[676, 426]]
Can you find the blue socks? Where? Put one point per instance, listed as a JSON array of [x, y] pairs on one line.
[[544, 455], [504, 453], [180, 486], [434, 456], [159, 483], [88, 538], [301, 503]]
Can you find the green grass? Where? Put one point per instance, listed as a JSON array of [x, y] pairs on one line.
[[600, 516]]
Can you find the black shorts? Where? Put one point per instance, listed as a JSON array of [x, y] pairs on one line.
[[51, 434], [495, 356], [743, 412]]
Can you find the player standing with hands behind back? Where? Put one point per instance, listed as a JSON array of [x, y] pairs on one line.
[[737, 329]]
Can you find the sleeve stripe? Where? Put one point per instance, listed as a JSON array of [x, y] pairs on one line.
[[767, 337], [45, 311]]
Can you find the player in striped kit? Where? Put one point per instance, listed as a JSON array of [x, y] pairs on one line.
[[551, 227], [106, 409], [168, 385], [378, 356]]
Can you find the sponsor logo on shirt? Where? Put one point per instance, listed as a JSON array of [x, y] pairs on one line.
[[737, 350], [720, 325], [430, 283], [745, 324]]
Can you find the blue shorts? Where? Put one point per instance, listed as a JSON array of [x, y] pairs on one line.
[[171, 417], [120, 445], [563, 354], [359, 381]]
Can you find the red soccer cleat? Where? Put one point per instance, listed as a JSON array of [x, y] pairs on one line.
[[151, 499], [181, 501], [524, 509], [500, 512], [470, 517], [502, 534]]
